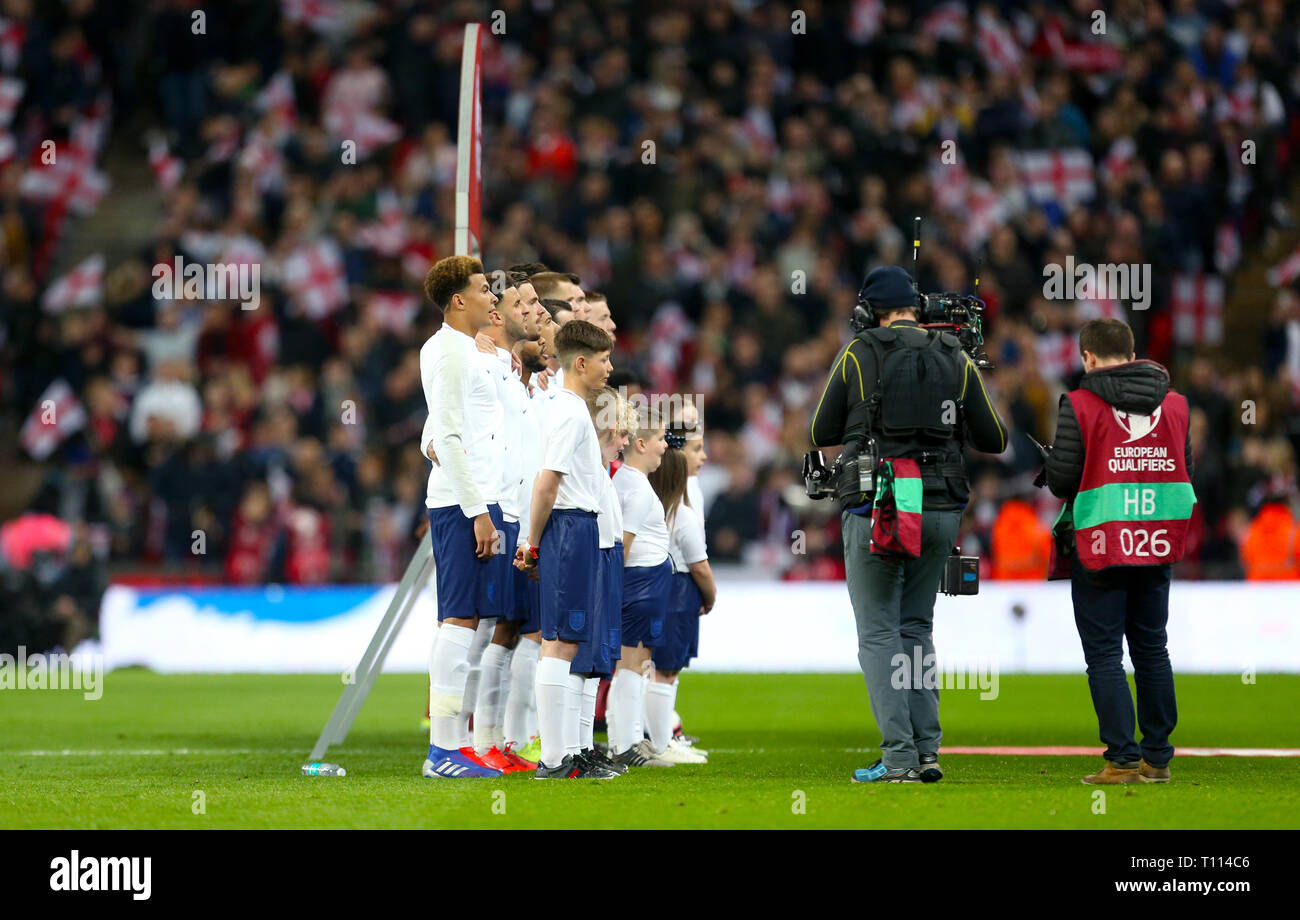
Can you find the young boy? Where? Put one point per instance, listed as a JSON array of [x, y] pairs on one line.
[[646, 581], [564, 545], [609, 413]]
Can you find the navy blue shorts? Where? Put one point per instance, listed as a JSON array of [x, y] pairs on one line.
[[683, 624], [466, 585], [528, 604], [606, 638], [645, 603], [568, 564], [614, 601]]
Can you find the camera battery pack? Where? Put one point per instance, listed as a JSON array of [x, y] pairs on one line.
[[961, 575]]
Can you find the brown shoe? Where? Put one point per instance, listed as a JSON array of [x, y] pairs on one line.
[[1114, 774], [1152, 774]]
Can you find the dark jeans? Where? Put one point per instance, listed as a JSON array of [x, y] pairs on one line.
[[1110, 605]]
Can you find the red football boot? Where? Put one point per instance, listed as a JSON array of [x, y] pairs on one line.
[[498, 761]]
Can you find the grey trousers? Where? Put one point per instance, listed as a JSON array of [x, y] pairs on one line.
[[893, 603]]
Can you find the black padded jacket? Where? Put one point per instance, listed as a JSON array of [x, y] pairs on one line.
[[1138, 386]]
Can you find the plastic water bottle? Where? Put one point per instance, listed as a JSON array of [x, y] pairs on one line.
[[323, 769]]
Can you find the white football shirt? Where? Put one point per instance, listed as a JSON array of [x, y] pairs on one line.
[[643, 516], [465, 424], [686, 540], [573, 449], [611, 516]]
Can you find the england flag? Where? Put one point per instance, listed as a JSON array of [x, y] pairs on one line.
[[315, 278], [58, 413], [1064, 176], [1196, 302], [81, 287]]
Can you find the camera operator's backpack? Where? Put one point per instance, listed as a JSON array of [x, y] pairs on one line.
[[915, 377]]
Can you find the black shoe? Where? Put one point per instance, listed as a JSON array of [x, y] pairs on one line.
[[568, 768], [595, 768], [930, 770], [601, 759]]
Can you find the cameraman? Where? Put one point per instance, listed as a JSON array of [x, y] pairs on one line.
[[920, 397]]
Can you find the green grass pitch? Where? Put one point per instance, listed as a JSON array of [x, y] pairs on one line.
[[157, 747]]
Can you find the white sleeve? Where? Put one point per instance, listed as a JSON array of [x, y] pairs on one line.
[[688, 534], [443, 374], [636, 507], [561, 444], [426, 436]]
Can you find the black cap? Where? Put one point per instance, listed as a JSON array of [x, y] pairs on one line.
[[888, 288]]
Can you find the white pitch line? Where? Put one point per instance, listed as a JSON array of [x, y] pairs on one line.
[[1017, 752]]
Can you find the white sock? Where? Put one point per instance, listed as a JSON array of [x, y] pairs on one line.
[[499, 713], [611, 717], [519, 701], [624, 708], [448, 672], [573, 714], [531, 726], [552, 701], [493, 664], [482, 636], [659, 701], [587, 723]]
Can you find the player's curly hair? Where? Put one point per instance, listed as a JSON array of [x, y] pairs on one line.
[[450, 276]]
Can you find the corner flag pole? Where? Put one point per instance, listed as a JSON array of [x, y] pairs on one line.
[[469, 147], [468, 242]]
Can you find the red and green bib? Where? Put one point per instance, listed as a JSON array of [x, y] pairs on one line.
[[896, 511], [1134, 498]]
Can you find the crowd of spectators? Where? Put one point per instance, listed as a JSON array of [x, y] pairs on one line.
[[726, 173]]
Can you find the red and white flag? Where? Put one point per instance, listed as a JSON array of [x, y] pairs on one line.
[[321, 15], [277, 97], [1064, 176], [393, 310], [242, 250], [1286, 271], [865, 20], [387, 236], [315, 278], [11, 93], [1099, 307], [81, 287], [467, 238], [985, 211], [58, 413], [1120, 159], [1227, 248], [946, 22], [263, 159], [1196, 302], [995, 44], [1058, 355], [91, 126], [369, 130], [1088, 56], [167, 169], [71, 179], [950, 183]]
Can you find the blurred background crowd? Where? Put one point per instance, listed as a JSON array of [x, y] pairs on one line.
[[724, 172]]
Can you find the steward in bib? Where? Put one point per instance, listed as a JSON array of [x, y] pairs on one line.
[[1122, 460]]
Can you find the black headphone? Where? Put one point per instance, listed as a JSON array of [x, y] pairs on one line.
[[864, 314]]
